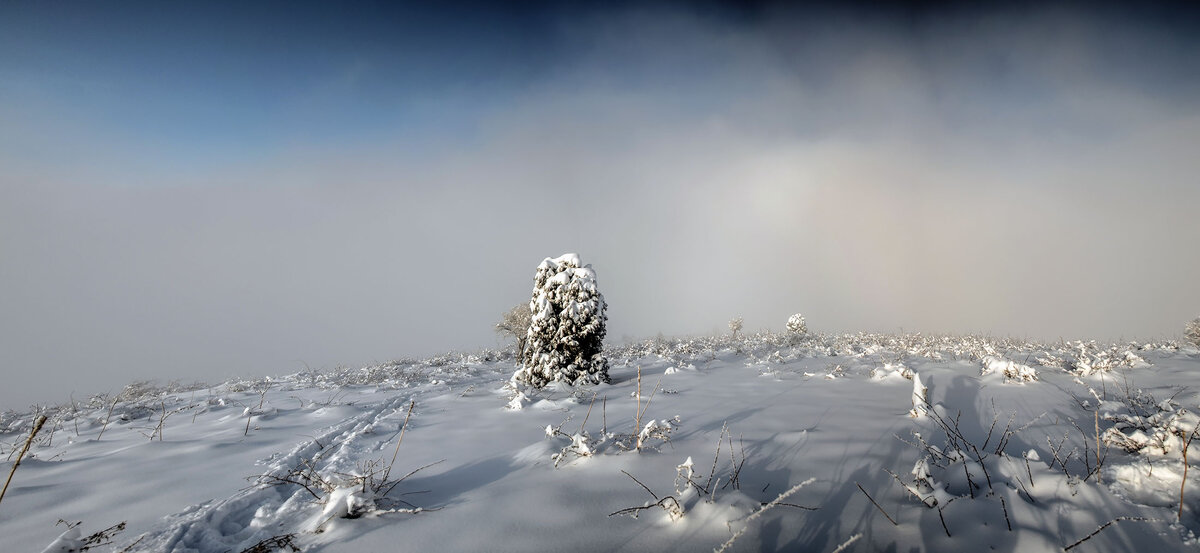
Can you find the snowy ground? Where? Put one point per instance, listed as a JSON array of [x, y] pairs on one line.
[[185, 472]]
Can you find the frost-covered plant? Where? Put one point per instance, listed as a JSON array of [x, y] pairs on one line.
[[1192, 331], [796, 325], [735, 325], [566, 331], [73, 539], [1142, 425], [580, 444], [514, 323]]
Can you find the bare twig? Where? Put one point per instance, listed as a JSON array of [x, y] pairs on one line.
[[847, 543], [943, 518], [1106, 525], [130, 547], [660, 503], [103, 537], [644, 487], [386, 487], [889, 517]]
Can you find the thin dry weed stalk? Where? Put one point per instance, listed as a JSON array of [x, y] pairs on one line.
[[411, 403], [876, 504], [108, 417], [1187, 442], [641, 409], [37, 427]]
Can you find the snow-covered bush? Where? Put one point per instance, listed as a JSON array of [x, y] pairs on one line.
[[1192, 331], [566, 329], [796, 325]]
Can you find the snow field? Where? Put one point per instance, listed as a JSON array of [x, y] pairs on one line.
[[834, 410]]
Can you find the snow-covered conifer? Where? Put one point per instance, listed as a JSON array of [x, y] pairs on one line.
[[566, 329]]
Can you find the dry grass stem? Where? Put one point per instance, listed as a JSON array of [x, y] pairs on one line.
[[37, 427]]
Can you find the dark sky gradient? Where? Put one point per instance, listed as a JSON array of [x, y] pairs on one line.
[[202, 190]]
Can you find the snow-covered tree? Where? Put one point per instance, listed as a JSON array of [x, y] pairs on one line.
[[566, 327], [796, 325], [735, 324], [1192, 331]]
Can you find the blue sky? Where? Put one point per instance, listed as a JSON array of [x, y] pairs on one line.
[[205, 83], [202, 190]]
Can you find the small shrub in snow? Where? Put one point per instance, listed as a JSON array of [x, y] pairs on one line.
[[1012, 371], [890, 370], [73, 541], [567, 326], [796, 325]]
